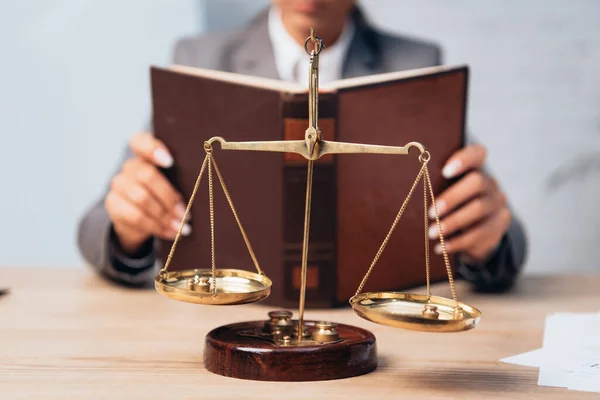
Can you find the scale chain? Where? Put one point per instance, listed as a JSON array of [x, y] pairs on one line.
[[423, 173], [210, 162], [213, 283], [235, 215], [427, 266], [442, 243], [393, 227], [185, 216]]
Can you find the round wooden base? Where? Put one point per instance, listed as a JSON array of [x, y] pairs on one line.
[[229, 354]]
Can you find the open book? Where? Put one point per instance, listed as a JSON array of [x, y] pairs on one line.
[[290, 87], [355, 196]]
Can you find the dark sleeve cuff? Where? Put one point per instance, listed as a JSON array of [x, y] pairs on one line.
[[497, 274], [133, 264]]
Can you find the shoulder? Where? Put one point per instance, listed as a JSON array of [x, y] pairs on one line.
[[414, 45], [215, 50], [396, 51], [400, 49], [206, 51], [421, 52]]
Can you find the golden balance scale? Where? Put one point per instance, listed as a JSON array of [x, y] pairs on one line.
[[283, 349]]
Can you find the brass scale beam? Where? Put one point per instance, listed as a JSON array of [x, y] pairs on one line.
[[312, 148]]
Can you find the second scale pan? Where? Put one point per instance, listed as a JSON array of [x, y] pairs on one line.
[[406, 311]]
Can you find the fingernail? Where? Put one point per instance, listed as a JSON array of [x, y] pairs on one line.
[[185, 231], [437, 249], [433, 232], [441, 205], [451, 169], [180, 210], [163, 158]]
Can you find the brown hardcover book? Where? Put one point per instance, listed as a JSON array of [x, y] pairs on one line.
[[355, 196]]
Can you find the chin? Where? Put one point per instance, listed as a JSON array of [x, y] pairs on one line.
[[306, 21]]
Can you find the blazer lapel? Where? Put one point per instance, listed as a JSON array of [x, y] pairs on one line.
[[364, 55], [254, 56]]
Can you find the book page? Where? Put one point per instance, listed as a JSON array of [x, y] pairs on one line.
[[240, 79], [387, 77], [289, 87]]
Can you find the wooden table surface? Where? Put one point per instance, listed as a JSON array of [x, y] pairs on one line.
[[67, 334]]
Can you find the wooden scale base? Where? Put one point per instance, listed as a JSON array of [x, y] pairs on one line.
[[269, 350]]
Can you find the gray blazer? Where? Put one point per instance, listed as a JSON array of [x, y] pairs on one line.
[[248, 51]]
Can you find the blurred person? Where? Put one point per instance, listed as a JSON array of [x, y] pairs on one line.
[[117, 235]]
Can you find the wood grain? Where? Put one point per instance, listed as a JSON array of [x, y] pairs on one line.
[[69, 334]]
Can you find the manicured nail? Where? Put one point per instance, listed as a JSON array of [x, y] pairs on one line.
[[441, 205], [163, 158], [185, 231], [433, 232], [451, 169], [180, 210], [437, 249]]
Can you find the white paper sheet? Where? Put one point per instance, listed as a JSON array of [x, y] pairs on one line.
[[530, 359], [570, 356]]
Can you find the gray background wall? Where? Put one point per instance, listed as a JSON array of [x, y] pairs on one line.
[[534, 101], [75, 87]]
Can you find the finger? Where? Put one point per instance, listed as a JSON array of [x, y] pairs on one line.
[[128, 218], [150, 178], [126, 214], [471, 185], [131, 238], [481, 239], [469, 214], [168, 232], [142, 198], [174, 226], [149, 148], [468, 158]]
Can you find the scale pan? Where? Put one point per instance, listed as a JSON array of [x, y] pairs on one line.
[[234, 286], [405, 310]]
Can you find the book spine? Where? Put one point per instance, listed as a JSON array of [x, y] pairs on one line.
[[321, 270]]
